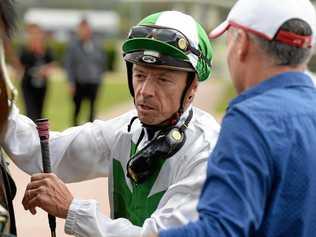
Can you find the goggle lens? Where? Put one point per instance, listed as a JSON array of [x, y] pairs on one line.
[[167, 35]]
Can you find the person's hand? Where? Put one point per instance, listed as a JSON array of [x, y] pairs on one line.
[[48, 192], [44, 72]]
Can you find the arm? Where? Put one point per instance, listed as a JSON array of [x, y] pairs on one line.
[[238, 181], [100, 57], [48, 67], [78, 153]]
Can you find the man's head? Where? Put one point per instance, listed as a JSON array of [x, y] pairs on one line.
[[166, 53], [35, 36], [267, 37], [84, 30]]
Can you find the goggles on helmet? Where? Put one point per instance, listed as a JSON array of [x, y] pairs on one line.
[[167, 142], [167, 35]]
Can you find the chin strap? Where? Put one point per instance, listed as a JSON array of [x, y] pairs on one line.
[[185, 125], [190, 79], [129, 68]]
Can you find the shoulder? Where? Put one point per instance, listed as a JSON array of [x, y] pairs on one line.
[[201, 135], [111, 130], [253, 126], [118, 123], [277, 106], [97, 43], [205, 124], [74, 45]]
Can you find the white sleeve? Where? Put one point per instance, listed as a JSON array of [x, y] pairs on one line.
[[177, 207], [76, 154]]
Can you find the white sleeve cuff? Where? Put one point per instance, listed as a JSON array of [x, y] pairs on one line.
[[84, 218], [72, 217]]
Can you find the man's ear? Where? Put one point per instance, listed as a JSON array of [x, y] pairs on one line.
[[191, 92], [243, 44]]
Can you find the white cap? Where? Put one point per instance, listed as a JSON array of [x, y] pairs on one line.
[[264, 18]]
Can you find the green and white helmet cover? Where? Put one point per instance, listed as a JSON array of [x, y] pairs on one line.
[[185, 24]]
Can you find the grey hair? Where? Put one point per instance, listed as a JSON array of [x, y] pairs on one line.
[[8, 16], [283, 54]]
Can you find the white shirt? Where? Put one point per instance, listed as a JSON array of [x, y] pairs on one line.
[[87, 151]]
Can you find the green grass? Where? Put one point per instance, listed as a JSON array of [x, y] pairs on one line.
[[59, 106]]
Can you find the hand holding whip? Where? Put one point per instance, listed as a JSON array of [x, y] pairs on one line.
[[43, 132]]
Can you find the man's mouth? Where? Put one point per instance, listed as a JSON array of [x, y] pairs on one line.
[[145, 107]]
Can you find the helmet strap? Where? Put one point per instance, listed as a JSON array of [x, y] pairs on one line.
[[129, 68], [190, 79]]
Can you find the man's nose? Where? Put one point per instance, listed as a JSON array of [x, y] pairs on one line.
[[148, 87]]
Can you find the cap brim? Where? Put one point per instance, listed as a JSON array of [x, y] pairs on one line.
[[137, 44], [219, 30], [162, 61]]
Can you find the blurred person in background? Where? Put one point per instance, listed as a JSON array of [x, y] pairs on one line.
[[155, 155], [85, 65], [261, 179], [37, 60]]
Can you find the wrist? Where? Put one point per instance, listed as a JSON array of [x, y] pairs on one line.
[[71, 216]]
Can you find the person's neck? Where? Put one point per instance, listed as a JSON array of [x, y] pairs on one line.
[[36, 48], [262, 72]]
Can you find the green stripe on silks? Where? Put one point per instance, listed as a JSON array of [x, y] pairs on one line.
[[136, 206]]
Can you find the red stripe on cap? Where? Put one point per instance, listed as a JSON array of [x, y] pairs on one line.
[[219, 30], [248, 29], [300, 41]]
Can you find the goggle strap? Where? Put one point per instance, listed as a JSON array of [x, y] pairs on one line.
[[186, 122], [199, 55]]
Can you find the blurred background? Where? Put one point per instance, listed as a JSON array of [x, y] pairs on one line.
[[110, 22]]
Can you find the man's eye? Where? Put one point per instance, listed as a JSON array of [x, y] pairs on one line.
[[139, 76], [163, 79]]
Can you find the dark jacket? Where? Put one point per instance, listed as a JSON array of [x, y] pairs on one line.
[[85, 63]]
